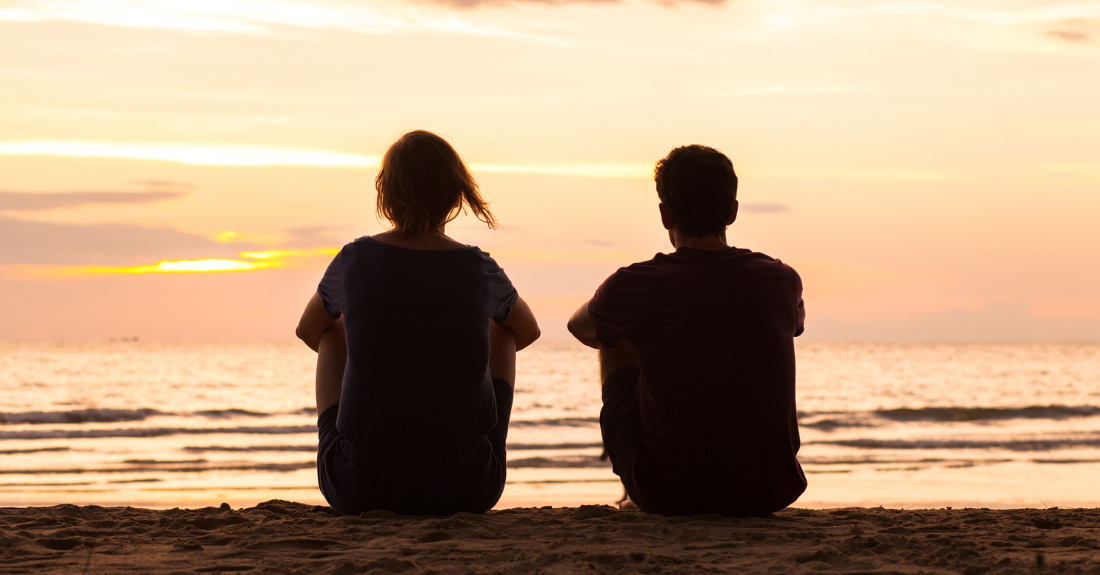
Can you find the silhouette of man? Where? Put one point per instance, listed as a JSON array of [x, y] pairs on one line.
[[697, 357]]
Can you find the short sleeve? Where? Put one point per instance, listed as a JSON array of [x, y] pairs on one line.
[[502, 295], [331, 288], [608, 312]]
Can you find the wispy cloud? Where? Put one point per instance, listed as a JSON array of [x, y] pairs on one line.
[[764, 208], [42, 250], [1069, 35], [200, 154], [789, 90], [221, 155], [903, 174], [246, 16], [1075, 30], [45, 243], [314, 237], [34, 201], [591, 170], [466, 4]]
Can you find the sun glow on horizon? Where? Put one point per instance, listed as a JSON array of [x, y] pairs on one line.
[[262, 260]]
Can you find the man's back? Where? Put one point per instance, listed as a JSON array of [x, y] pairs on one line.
[[713, 333]]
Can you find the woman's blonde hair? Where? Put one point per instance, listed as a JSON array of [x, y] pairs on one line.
[[423, 184]]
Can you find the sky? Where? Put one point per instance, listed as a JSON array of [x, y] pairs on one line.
[[184, 170]]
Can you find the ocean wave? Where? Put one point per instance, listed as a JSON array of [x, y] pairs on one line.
[[564, 421], [228, 413], [154, 432], [987, 413], [78, 416], [829, 420], [551, 446], [276, 467], [248, 448], [566, 462], [1092, 440], [312, 448], [33, 450], [108, 415]]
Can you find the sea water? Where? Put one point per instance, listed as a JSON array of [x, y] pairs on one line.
[[193, 424]]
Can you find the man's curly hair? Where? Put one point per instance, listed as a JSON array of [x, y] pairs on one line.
[[698, 187]]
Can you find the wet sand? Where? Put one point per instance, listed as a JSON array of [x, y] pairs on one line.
[[284, 537]]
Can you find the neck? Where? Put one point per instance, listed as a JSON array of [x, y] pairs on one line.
[[715, 242]]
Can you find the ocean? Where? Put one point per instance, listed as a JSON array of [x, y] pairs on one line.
[[157, 424]]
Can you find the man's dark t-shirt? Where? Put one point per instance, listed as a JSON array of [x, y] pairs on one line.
[[713, 332], [417, 325]]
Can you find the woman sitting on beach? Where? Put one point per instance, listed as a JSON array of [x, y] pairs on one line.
[[414, 404]]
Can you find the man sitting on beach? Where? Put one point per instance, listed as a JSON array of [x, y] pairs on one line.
[[697, 357]]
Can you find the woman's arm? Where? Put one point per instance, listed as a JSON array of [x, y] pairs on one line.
[[314, 322], [522, 323]]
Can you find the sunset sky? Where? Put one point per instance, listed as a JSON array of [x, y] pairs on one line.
[[931, 167]]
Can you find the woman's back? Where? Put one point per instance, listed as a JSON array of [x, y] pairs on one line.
[[417, 328], [416, 338]]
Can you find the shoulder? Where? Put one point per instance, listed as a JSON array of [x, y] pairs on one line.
[[355, 246], [655, 265], [637, 274], [773, 267], [489, 264]]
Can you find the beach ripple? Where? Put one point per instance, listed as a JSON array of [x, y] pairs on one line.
[[285, 537]]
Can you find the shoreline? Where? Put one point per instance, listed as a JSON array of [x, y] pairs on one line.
[[284, 537]]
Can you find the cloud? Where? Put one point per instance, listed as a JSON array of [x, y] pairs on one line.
[[24, 242], [196, 154], [227, 155], [34, 201], [764, 208], [480, 3], [316, 237], [1074, 30], [248, 17], [466, 4], [1069, 35]]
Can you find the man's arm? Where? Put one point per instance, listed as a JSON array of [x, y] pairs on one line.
[[582, 328]]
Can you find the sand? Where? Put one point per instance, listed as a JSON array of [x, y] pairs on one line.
[[283, 537]]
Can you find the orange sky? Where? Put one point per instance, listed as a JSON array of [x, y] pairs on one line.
[[932, 168]]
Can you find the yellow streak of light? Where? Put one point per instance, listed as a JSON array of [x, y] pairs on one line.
[[268, 259], [282, 254], [183, 266]]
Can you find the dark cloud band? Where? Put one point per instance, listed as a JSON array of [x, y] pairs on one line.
[[28, 242], [35, 201]]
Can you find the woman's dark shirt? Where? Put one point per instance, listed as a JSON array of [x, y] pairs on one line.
[[417, 325]]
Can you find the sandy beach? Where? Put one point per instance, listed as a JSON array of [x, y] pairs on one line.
[[284, 537]]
